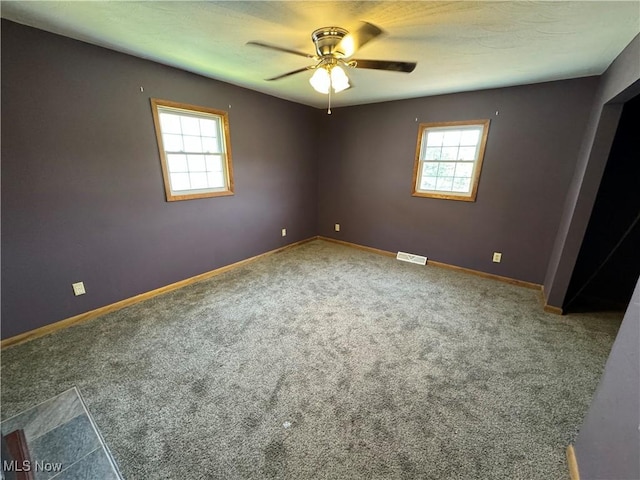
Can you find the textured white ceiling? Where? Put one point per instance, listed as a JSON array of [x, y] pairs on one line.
[[459, 46]]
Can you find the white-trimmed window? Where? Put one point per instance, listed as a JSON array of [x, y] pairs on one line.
[[449, 159], [194, 150]]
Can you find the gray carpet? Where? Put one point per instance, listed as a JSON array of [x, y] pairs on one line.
[[327, 362]]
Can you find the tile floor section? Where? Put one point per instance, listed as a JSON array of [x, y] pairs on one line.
[[63, 441]]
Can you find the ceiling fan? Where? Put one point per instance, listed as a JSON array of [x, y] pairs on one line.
[[334, 48]]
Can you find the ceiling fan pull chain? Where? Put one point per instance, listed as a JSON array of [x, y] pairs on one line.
[[330, 87]]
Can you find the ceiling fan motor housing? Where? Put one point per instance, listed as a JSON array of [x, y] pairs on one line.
[[326, 40]]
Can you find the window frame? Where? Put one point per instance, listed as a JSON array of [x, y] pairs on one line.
[[227, 166], [477, 163]]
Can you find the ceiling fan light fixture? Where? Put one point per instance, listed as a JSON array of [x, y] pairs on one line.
[[331, 76]]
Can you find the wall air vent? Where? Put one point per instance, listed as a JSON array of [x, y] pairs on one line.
[[411, 258]]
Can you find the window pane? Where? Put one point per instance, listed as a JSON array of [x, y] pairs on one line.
[[192, 144], [196, 163], [451, 137], [428, 183], [177, 163], [179, 181], [198, 180], [214, 163], [470, 137], [216, 180], [449, 153], [433, 153], [461, 184], [190, 126], [430, 169], [208, 128], [172, 143], [434, 138], [446, 169], [444, 184], [464, 169], [467, 153], [170, 123], [210, 144]]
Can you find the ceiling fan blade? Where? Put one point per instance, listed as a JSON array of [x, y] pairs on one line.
[[392, 66], [280, 49], [300, 70], [355, 40]]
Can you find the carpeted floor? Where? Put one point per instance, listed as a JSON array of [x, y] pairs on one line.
[[327, 362]]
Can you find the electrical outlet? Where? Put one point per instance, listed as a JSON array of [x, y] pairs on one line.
[[497, 257], [284, 232], [78, 288], [337, 227]]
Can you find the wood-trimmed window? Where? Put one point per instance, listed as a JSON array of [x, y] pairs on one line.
[[449, 159], [195, 150]]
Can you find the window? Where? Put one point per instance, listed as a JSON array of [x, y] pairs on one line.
[[194, 150], [449, 158]]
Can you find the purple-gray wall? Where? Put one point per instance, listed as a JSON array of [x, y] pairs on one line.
[[82, 196], [365, 174], [608, 445], [82, 191], [620, 83]]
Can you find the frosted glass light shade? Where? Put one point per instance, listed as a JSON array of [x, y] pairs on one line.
[[329, 77], [339, 79], [320, 80]]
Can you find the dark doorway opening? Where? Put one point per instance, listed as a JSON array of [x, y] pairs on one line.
[[608, 264]]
